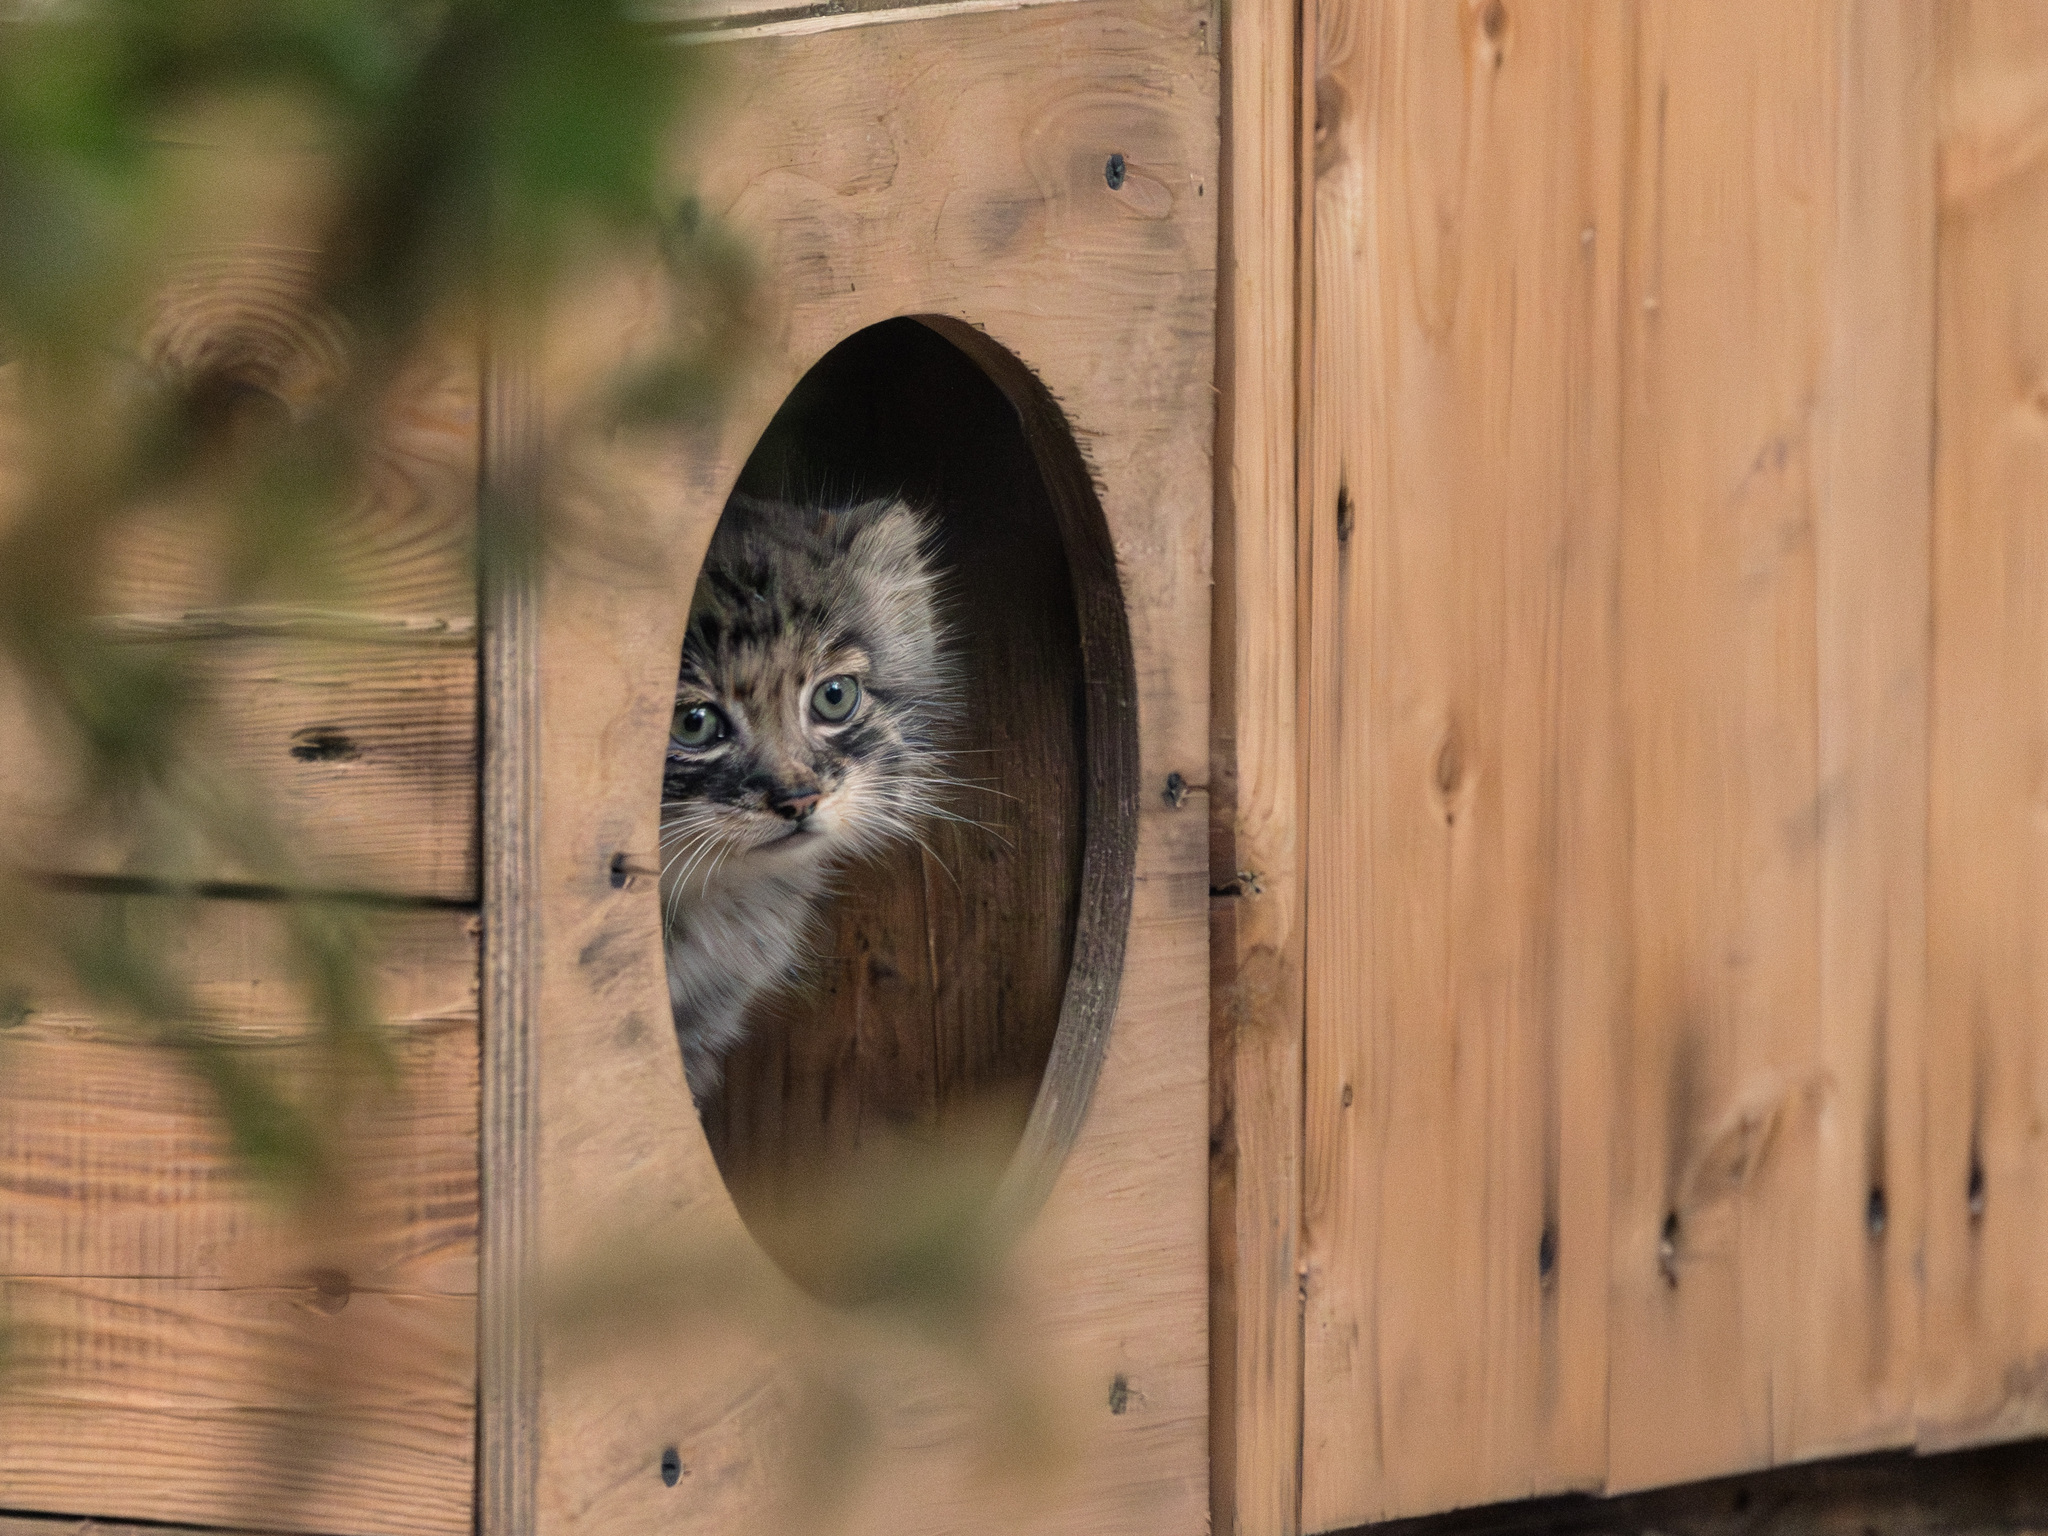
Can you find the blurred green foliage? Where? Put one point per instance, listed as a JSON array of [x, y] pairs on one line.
[[467, 153]]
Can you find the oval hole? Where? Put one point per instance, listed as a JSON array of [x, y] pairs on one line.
[[965, 991]]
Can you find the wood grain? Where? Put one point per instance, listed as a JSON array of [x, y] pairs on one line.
[[952, 169], [1987, 1071], [1462, 667], [1848, 1376], [183, 1344], [344, 694], [1774, 418], [356, 758], [508, 1342], [1255, 928], [240, 1407]]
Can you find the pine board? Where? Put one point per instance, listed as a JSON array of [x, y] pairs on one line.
[[1462, 664], [358, 757], [342, 699], [1255, 928], [1618, 428], [1987, 1064], [1772, 589], [178, 1340]]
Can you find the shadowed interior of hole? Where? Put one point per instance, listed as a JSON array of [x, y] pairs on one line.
[[939, 996]]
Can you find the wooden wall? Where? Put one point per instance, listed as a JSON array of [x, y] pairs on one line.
[[1667, 751], [184, 1348]]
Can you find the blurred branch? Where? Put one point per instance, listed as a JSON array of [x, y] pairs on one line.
[[462, 156]]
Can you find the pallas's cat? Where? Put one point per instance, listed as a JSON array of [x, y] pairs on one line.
[[815, 681]]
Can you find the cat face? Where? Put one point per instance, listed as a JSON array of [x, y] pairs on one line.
[[812, 687]]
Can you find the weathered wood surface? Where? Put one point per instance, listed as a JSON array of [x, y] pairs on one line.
[[1618, 432], [790, 16], [1985, 1355], [1458, 490], [973, 187], [1255, 927], [181, 1347], [344, 705], [1776, 435]]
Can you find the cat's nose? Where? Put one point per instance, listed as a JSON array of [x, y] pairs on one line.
[[794, 804]]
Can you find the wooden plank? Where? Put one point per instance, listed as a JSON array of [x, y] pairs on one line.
[[169, 1323], [1255, 929], [261, 1407], [344, 694], [114, 1162], [1774, 416], [1717, 1076], [1987, 1256], [1462, 668], [63, 1525], [400, 553], [357, 757], [716, 20], [984, 203], [1846, 1377], [508, 1343]]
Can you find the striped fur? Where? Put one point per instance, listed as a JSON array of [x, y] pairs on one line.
[[789, 597]]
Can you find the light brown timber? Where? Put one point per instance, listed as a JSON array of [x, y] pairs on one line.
[[1847, 1373], [1774, 422], [339, 707], [1255, 926], [183, 1347], [1986, 1344], [1459, 726]]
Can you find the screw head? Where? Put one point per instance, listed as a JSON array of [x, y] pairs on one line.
[[671, 1467], [1114, 172]]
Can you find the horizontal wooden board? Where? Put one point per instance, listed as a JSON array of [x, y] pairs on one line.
[[114, 1162], [399, 552], [179, 1338], [359, 754], [274, 1408], [342, 685]]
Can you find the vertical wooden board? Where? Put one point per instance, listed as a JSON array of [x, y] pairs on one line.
[[1461, 684], [1849, 1369], [1774, 422], [182, 1344], [1717, 1082], [953, 168], [1987, 1070], [1255, 856]]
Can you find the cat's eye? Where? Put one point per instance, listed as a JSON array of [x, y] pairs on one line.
[[835, 699], [698, 726]]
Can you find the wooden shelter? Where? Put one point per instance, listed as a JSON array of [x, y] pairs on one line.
[[1498, 543]]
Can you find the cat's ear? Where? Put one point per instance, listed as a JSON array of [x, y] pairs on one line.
[[889, 538]]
